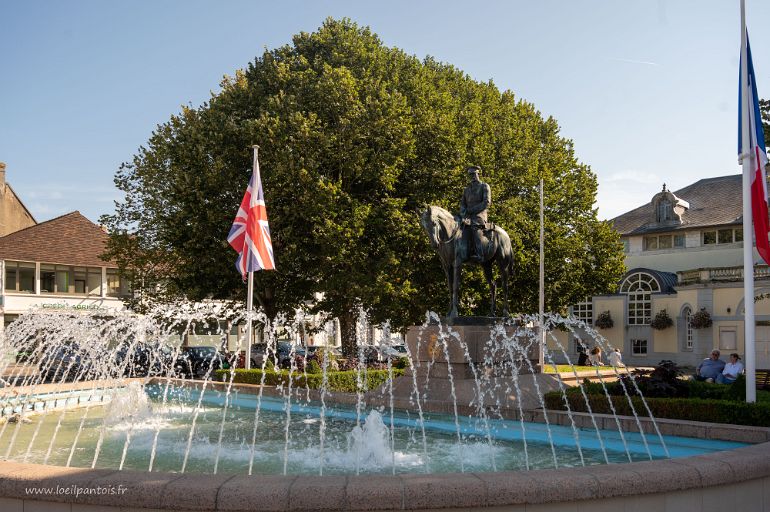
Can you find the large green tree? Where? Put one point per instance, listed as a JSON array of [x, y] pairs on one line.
[[355, 138]]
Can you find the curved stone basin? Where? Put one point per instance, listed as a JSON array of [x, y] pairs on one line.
[[739, 479]]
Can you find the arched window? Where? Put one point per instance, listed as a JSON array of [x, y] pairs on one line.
[[665, 211], [639, 287], [688, 330]]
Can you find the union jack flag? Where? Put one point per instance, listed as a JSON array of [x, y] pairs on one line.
[[250, 234]]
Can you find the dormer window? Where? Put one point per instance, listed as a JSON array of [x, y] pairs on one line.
[[668, 208], [665, 211]]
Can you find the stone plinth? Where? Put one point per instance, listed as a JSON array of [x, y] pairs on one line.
[[468, 360], [482, 345]]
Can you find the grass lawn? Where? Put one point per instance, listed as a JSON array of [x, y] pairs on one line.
[[565, 368]]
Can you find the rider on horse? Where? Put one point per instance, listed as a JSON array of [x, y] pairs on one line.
[[473, 211]]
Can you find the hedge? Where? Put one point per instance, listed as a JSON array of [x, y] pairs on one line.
[[337, 381], [690, 409]]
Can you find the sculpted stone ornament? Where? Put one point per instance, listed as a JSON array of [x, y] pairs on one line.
[[469, 238]]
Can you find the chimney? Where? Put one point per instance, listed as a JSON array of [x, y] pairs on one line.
[[2, 178]]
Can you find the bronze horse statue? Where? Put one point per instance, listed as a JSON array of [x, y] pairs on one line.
[[448, 237]]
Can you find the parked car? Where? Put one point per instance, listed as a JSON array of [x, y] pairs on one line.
[[258, 352], [204, 360], [284, 352], [142, 360], [401, 349], [67, 362], [380, 353]]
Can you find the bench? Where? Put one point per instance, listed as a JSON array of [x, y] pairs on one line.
[[762, 379]]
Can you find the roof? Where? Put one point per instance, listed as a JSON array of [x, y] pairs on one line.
[[70, 239], [666, 280], [713, 202]]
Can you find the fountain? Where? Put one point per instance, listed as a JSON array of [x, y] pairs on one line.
[[464, 424]]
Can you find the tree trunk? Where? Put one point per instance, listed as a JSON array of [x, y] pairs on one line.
[[348, 333]]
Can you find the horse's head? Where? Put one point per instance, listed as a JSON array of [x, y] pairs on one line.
[[430, 225], [437, 222]]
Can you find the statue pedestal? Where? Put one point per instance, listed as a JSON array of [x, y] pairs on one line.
[[467, 367], [438, 349]]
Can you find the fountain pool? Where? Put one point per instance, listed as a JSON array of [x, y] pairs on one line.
[[464, 427], [129, 423]]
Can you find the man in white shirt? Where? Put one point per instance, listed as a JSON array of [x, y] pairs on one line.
[[731, 371], [615, 358]]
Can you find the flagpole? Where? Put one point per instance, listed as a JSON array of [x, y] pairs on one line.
[[541, 295], [749, 324], [250, 297]]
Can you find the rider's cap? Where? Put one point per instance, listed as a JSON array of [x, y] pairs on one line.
[[473, 169]]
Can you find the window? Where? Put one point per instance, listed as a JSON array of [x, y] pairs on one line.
[[723, 236], [639, 287], [650, 243], [626, 245], [11, 277], [655, 242], [19, 277], [115, 286], [638, 347], [688, 330], [56, 279], [728, 339], [665, 211], [584, 311]]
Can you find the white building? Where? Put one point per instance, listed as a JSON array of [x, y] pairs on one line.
[[684, 254]]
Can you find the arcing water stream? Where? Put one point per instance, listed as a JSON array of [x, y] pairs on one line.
[[119, 392]]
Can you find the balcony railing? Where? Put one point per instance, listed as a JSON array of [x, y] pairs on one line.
[[723, 274]]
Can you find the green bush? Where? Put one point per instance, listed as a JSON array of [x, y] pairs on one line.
[[313, 367], [691, 409], [401, 363], [337, 381]]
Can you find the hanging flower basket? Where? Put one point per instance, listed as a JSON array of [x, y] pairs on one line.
[[701, 319], [604, 320], [662, 321]]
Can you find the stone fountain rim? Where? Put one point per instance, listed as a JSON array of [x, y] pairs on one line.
[[233, 493]]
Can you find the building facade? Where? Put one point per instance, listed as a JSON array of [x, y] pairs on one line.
[[684, 255], [13, 214], [57, 265]]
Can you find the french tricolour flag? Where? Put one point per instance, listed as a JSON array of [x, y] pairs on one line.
[[250, 234], [756, 151]]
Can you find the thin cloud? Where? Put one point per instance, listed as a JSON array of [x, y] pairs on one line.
[[634, 61], [647, 178]]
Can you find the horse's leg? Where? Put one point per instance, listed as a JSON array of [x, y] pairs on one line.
[[504, 264], [449, 271], [455, 289], [492, 285]]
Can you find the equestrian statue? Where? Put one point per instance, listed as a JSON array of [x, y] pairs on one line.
[[470, 238]]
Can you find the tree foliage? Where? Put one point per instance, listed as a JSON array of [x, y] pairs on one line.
[[355, 138]]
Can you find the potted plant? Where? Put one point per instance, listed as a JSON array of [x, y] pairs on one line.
[[604, 320], [701, 319], [662, 321]]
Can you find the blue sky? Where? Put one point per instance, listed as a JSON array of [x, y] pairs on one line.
[[646, 90]]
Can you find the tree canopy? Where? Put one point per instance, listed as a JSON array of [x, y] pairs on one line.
[[355, 138]]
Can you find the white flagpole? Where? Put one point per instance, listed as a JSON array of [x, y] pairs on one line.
[[249, 308], [250, 292], [748, 231], [541, 298]]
